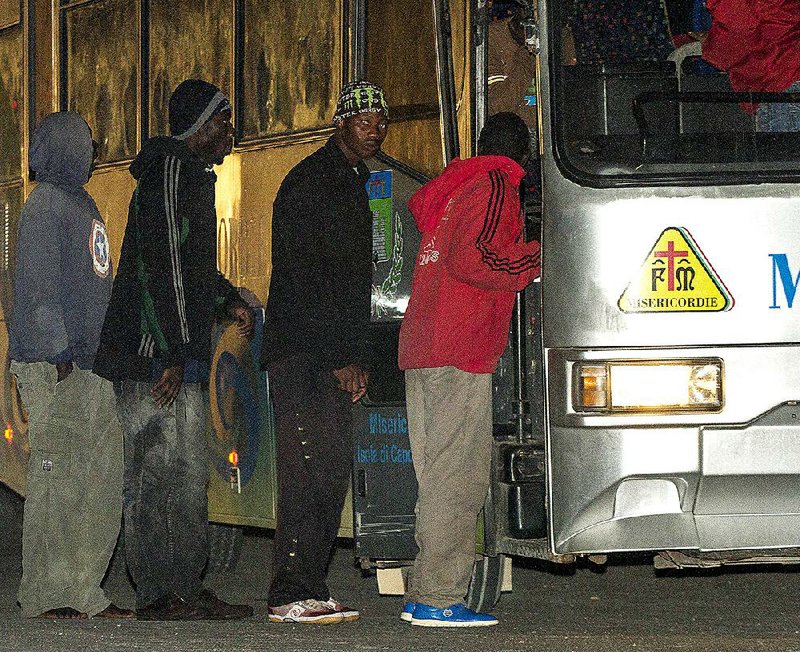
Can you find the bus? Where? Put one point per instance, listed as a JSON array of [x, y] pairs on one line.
[[648, 399], [116, 62]]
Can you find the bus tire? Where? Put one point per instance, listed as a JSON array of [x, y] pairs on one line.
[[224, 548], [486, 583]]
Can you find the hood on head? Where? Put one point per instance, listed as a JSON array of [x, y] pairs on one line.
[[430, 202], [154, 150], [61, 150]]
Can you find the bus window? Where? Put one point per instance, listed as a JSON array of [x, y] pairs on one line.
[[99, 68], [293, 75], [10, 102], [623, 111], [401, 57], [187, 39]]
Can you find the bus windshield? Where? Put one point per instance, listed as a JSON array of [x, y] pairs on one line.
[[632, 105]]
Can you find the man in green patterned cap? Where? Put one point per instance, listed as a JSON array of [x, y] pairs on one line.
[[315, 350]]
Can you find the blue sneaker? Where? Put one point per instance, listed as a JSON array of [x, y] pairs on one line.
[[407, 612], [456, 615]]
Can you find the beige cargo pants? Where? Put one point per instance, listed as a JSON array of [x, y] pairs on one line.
[[73, 497], [450, 427]]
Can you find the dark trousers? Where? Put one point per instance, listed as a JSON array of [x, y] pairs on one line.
[[314, 451], [166, 480]]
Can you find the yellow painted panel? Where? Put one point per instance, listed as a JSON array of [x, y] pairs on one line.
[[11, 200], [13, 420], [14, 448], [247, 183], [112, 190], [417, 143]]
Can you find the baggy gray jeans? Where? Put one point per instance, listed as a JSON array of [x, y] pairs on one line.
[[165, 495], [73, 501], [450, 427]]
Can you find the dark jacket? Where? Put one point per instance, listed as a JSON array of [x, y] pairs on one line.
[[167, 291], [63, 278], [319, 296]]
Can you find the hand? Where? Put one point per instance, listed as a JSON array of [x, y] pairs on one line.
[[166, 389], [63, 369], [353, 379], [243, 316]]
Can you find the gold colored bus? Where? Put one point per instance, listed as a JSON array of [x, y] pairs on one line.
[[282, 64]]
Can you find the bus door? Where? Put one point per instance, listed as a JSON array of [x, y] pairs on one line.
[[411, 59], [670, 269]]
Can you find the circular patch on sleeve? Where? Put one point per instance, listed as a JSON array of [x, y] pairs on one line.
[[98, 246]]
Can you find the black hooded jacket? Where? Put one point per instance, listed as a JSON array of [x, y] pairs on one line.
[[167, 291], [318, 307]]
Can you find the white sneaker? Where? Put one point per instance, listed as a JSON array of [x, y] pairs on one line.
[[305, 611], [348, 613]]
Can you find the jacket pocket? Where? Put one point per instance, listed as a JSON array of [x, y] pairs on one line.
[[50, 465]]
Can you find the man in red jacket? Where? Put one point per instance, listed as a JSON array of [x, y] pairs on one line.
[[472, 261]]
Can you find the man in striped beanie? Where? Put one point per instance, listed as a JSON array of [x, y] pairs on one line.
[[156, 347], [316, 351], [360, 97]]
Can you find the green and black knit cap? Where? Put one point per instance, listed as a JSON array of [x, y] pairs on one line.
[[357, 97]]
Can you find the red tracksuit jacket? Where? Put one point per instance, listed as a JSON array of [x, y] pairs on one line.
[[471, 262]]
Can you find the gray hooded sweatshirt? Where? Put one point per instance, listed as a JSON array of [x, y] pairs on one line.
[[63, 277]]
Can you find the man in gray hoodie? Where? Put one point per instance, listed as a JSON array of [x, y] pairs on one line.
[[62, 285]]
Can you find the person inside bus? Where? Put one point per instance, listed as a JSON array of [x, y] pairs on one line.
[[62, 284], [757, 42], [511, 67], [156, 347], [315, 348], [472, 262], [511, 75]]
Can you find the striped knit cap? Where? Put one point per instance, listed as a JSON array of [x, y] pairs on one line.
[[357, 97], [193, 103]]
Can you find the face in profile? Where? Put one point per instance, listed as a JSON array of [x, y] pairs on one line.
[[214, 141], [361, 135]]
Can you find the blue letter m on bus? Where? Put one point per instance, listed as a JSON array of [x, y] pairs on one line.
[[780, 270]]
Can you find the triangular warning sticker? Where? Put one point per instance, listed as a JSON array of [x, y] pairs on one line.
[[676, 277]]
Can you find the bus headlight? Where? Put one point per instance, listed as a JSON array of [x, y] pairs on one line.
[[648, 386]]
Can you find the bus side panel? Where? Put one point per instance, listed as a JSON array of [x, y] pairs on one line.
[[668, 479]]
